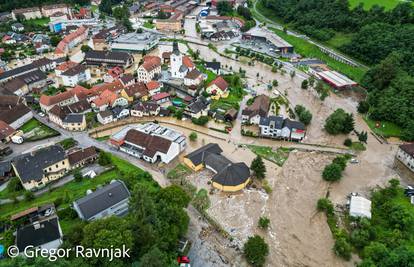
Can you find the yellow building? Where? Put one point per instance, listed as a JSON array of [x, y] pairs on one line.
[[229, 176], [218, 88], [38, 168]]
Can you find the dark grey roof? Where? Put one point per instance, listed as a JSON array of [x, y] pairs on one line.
[[73, 118], [47, 231], [75, 70], [213, 65], [106, 113], [216, 161], [183, 68], [275, 121], [232, 175], [33, 76], [30, 166], [198, 105], [102, 56], [294, 124], [176, 50], [197, 156], [102, 199]]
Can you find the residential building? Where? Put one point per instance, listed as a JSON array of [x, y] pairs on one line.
[[74, 122], [199, 107], [109, 58], [218, 88], [77, 74], [180, 64], [273, 41], [110, 200], [193, 78], [153, 87], [136, 42], [108, 99], [280, 128], [151, 142], [228, 176], [6, 171], [105, 117], [25, 83], [258, 109], [134, 92], [6, 132], [49, 10], [43, 64], [43, 235], [405, 154], [120, 113], [71, 40], [214, 66], [41, 43], [17, 27], [161, 97], [61, 99], [113, 74], [16, 116], [27, 13], [127, 79], [82, 157], [149, 69], [148, 108], [38, 168]]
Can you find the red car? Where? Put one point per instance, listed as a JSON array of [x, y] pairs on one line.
[[183, 259]]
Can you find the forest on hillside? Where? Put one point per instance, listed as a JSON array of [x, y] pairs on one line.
[[382, 39], [6, 5]]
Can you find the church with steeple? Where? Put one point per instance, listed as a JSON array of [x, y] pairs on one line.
[[180, 64]]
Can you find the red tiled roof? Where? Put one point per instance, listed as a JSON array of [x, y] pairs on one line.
[[54, 99], [160, 96], [107, 97], [62, 46], [152, 85], [166, 55], [137, 89], [5, 130], [151, 63], [188, 62], [220, 83], [66, 65]]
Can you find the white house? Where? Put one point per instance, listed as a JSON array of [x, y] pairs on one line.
[[110, 200], [405, 154], [148, 108], [280, 128], [148, 69], [193, 78], [105, 117], [73, 76]]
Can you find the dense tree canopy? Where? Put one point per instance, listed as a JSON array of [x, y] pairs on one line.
[[9, 5]]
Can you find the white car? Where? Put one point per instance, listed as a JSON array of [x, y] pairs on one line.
[[41, 114], [354, 161]]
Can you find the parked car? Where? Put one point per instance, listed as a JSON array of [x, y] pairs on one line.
[[354, 161]]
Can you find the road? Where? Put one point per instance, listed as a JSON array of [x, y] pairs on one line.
[[327, 50]]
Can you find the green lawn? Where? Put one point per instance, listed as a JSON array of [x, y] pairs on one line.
[[94, 8], [312, 51], [74, 190], [279, 156], [103, 138], [386, 129], [40, 131], [387, 4], [68, 143], [38, 22], [149, 25], [180, 170], [210, 75], [358, 146]]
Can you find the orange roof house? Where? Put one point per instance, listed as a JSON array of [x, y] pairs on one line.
[[218, 88]]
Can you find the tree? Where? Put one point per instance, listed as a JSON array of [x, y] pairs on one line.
[[363, 107], [325, 204], [14, 185], [154, 258], [28, 195], [342, 248], [304, 84], [341, 161], [332, 172], [85, 48], [258, 168], [311, 81], [174, 195], [292, 74], [224, 8], [104, 158], [255, 250], [193, 136], [304, 115], [77, 175], [106, 7], [363, 136], [275, 83], [202, 120], [348, 142], [55, 39], [264, 222], [339, 122]]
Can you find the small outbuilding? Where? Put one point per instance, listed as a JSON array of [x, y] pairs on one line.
[[360, 207]]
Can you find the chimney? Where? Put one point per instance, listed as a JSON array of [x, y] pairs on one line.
[[110, 194], [36, 225]]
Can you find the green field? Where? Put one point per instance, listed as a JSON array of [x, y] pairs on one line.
[[386, 129], [40, 131], [309, 50], [387, 4], [149, 25], [278, 156]]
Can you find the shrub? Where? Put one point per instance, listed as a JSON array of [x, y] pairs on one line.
[[332, 172], [363, 107], [342, 248], [104, 159], [264, 222], [339, 122], [341, 161], [326, 205], [200, 121], [255, 250], [348, 142], [193, 136], [28, 195], [77, 175], [14, 185]]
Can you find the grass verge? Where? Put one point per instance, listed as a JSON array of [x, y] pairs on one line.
[[385, 129]]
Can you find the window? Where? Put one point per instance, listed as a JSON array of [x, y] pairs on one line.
[[57, 165]]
